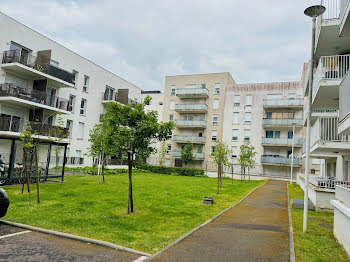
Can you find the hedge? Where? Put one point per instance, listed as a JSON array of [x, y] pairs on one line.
[[180, 171], [93, 170]]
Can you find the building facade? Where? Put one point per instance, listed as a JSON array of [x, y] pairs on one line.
[[42, 81]]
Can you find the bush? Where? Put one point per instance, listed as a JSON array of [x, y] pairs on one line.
[[94, 170], [179, 171]]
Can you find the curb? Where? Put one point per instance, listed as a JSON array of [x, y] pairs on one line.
[[74, 237], [202, 225], [291, 239]]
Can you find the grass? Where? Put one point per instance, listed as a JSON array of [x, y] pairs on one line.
[[166, 207], [318, 244]]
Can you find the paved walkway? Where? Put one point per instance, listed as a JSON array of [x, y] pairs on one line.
[[255, 230]]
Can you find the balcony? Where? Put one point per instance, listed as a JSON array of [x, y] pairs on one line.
[[196, 155], [298, 142], [189, 139], [109, 97], [344, 18], [275, 122], [344, 106], [279, 161], [296, 103], [192, 92], [12, 94], [315, 114], [196, 108], [191, 123], [325, 140], [28, 65], [328, 76]]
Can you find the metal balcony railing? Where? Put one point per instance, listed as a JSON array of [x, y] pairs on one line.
[[328, 182], [192, 91], [189, 139], [16, 56], [7, 89], [280, 160], [333, 11], [282, 122], [282, 141], [284, 102], [191, 123], [195, 107], [109, 96]]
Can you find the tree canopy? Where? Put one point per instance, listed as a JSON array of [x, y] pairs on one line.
[[187, 155]]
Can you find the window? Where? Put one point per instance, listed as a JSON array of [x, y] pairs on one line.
[[217, 89], [83, 107], [236, 118], [203, 86], [69, 126], [171, 117], [246, 134], [269, 134], [214, 135], [201, 117], [216, 104], [234, 152], [273, 134], [172, 105], [109, 93], [188, 117], [269, 115], [236, 100], [290, 134], [212, 150], [199, 149], [81, 128], [75, 78], [200, 134], [78, 153], [71, 103], [234, 134], [86, 83], [248, 117], [160, 103], [172, 92], [168, 149], [215, 120], [248, 100], [277, 134]]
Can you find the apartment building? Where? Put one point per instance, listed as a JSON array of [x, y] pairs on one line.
[[196, 104], [40, 80], [264, 114]]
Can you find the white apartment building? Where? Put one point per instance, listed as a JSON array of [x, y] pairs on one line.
[[40, 79]]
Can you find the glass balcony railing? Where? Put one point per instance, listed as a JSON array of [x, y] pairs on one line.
[[191, 123], [282, 141], [198, 107], [279, 160], [284, 102], [192, 92], [196, 155], [189, 139], [282, 122]]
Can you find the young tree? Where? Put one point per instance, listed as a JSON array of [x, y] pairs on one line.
[[247, 157], [187, 155], [221, 158], [99, 144], [162, 153], [131, 132]]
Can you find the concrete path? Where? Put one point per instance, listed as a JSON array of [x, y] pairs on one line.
[[256, 230], [18, 244]]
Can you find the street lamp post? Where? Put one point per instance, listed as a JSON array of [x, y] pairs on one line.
[[313, 12], [292, 160]]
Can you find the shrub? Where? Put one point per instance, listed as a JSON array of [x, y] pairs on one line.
[[179, 171], [94, 170]]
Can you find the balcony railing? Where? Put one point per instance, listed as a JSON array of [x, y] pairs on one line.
[[196, 155], [282, 122], [191, 123], [330, 68], [326, 129], [196, 107], [279, 160], [73, 160], [108, 96], [333, 11], [192, 92], [282, 141], [328, 182], [7, 89], [284, 102], [189, 139], [16, 56]]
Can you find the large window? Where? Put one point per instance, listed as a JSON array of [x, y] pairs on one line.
[[71, 103], [248, 117], [236, 100], [247, 135], [214, 135], [248, 100], [279, 115], [236, 118], [235, 135], [81, 128], [69, 126], [168, 149], [215, 120], [172, 105], [216, 104], [172, 90], [75, 78], [171, 117], [86, 83], [217, 88], [83, 107]]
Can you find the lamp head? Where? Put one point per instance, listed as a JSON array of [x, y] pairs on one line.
[[315, 10]]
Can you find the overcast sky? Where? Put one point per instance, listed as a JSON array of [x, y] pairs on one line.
[[145, 40]]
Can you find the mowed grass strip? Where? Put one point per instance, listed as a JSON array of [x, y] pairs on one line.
[[166, 207], [318, 244]]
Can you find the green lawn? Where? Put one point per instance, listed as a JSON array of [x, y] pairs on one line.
[[166, 207], [318, 244]]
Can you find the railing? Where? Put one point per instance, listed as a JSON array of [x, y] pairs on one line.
[[343, 6], [189, 139], [344, 101], [284, 102], [196, 155], [280, 160], [192, 91], [197, 107], [7, 89], [330, 68], [74, 160], [332, 12], [326, 129], [329, 182], [49, 130], [282, 122], [108, 96], [190, 123], [281, 141], [16, 56]]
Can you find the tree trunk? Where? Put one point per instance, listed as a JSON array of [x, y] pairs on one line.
[[103, 167], [24, 169], [37, 174], [218, 189], [27, 174], [130, 200], [232, 174]]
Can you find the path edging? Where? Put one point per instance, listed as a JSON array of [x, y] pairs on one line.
[[291, 238], [74, 237], [204, 224]]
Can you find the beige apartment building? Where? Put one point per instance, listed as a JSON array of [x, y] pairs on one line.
[[196, 103]]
